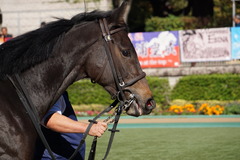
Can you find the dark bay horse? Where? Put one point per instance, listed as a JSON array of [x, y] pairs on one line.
[[51, 58]]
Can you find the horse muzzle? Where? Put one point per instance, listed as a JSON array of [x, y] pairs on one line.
[[136, 107]]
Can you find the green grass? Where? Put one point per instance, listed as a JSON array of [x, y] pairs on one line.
[[171, 144]]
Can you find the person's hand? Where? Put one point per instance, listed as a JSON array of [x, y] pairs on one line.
[[98, 129]]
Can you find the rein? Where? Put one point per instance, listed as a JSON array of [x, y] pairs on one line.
[[28, 105], [124, 103]]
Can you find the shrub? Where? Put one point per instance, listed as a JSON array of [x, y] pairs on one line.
[[160, 89], [84, 92], [196, 90], [164, 24], [172, 23], [232, 108], [207, 87]]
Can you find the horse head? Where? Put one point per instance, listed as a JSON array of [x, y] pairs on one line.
[[116, 66], [91, 45], [47, 60]]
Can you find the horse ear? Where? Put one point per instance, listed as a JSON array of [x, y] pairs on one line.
[[120, 14]]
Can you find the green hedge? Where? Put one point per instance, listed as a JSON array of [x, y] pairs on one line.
[[84, 92], [207, 87], [190, 88], [160, 89], [164, 24], [171, 23]]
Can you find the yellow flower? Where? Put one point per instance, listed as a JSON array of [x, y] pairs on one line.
[[203, 109]]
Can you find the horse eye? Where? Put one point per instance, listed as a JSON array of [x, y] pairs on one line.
[[126, 53]]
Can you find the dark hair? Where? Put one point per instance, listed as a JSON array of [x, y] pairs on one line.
[[4, 28], [33, 47]]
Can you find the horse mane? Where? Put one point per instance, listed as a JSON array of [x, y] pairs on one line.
[[29, 49]]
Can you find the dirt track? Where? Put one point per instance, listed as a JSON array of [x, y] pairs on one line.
[[178, 120]]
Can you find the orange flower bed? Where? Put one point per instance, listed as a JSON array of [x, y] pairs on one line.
[[191, 109], [211, 110]]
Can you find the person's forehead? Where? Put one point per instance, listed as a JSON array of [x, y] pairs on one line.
[[4, 29]]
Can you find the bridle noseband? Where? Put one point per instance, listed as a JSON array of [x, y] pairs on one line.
[[120, 84], [108, 43]]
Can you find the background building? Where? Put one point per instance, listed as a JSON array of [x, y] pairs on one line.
[[21, 16]]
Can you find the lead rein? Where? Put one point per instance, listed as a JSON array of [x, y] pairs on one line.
[[92, 121], [118, 112]]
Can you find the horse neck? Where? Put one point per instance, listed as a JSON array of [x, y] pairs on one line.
[[43, 87], [46, 81]]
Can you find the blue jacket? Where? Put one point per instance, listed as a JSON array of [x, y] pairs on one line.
[[62, 144]]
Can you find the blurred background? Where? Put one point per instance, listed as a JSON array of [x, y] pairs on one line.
[[25, 15], [190, 50]]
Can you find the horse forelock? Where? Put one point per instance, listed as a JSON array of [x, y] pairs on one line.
[[29, 49]]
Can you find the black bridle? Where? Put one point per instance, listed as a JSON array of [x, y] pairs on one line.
[[108, 42], [123, 102]]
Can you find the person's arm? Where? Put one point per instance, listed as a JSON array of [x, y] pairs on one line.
[[61, 123], [56, 121]]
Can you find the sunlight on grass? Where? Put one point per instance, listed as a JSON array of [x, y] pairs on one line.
[[171, 144]]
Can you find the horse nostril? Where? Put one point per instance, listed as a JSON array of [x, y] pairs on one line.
[[150, 104]]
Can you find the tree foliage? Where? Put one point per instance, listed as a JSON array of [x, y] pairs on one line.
[[209, 13]]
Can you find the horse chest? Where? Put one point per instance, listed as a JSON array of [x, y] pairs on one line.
[[16, 131]]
